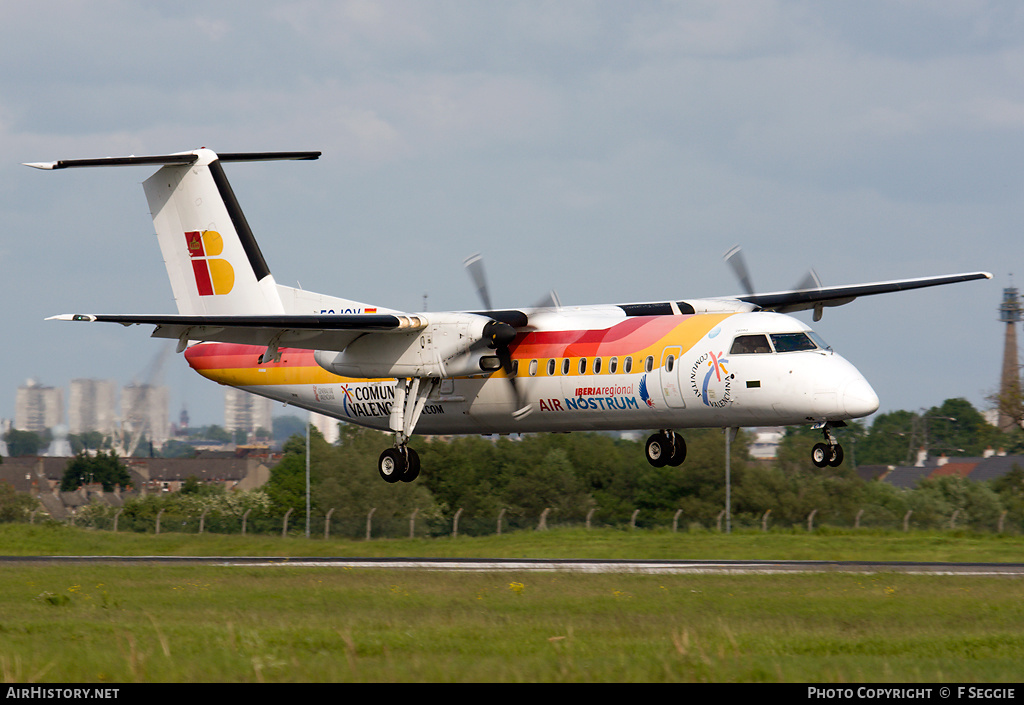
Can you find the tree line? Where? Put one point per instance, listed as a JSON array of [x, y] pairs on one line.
[[606, 477]]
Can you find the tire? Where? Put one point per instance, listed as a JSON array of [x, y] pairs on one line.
[[678, 452], [820, 455], [392, 465], [412, 470], [657, 450], [837, 456]]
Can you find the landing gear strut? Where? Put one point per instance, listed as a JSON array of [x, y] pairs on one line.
[[829, 453], [666, 448], [401, 462]]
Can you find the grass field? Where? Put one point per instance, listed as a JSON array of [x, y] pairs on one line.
[[155, 623]]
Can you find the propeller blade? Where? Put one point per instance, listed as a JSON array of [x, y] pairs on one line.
[[734, 258], [809, 282], [475, 265], [550, 301]]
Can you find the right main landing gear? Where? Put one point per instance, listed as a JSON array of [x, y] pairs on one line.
[[399, 463], [665, 448]]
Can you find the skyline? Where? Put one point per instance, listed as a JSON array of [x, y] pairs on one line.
[[613, 152]]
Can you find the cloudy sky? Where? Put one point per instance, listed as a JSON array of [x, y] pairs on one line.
[[613, 151]]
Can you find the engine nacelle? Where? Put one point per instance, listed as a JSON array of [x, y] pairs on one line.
[[450, 345]]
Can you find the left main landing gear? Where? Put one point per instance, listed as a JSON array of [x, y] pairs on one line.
[[829, 453], [665, 448]]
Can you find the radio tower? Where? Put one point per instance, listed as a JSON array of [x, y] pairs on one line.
[[1010, 403]]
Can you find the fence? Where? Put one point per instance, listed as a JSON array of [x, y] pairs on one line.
[[371, 525]]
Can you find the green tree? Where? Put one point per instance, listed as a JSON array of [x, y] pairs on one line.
[[104, 468], [23, 443], [14, 506]]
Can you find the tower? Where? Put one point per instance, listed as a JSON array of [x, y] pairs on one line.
[[1011, 409]]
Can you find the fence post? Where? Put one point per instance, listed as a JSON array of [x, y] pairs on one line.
[[810, 520], [158, 515], [906, 520], [590, 514], [543, 525], [327, 523], [369, 522], [117, 515], [632, 519], [675, 521], [245, 518], [284, 527], [764, 520], [455, 524], [412, 523], [501, 515], [202, 520]]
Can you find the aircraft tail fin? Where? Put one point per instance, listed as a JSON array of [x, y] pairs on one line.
[[213, 260]]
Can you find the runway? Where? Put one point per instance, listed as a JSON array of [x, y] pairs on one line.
[[479, 565]]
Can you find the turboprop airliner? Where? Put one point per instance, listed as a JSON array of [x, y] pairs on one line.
[[664, 365]]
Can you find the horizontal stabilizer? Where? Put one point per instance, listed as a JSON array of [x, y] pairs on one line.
[[166, 159]]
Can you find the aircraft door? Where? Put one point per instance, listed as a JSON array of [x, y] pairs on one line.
[[671, 381]]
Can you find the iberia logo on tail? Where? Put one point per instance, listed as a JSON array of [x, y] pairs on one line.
[[213, 276]]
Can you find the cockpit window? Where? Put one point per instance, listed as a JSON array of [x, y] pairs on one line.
[[792, 342], [819, 341], [750, 344]]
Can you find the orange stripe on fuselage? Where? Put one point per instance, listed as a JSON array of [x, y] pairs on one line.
[[235, 364]]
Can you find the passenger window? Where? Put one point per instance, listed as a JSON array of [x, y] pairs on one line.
[[613, 365], [565, 366], [627, 365], [792, 342], [649, 363], [515, 368], [670, 362], [597, 365], [583, 365], [750, 345], [551, 367], [533, 368]]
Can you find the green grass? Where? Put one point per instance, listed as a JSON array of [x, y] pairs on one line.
[[836, 545], [91, 623], [284, 624]]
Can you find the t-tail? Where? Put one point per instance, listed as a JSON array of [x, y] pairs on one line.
[[213, 261]]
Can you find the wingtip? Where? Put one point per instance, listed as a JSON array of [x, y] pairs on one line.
[[41, 165], [72, 317]]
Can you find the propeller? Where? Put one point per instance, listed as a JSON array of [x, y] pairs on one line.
[[734, 258], [499, 336]]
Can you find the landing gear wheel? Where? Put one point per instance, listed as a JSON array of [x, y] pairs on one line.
[[821, 454], [392, 465], [412, 470], [837, 456], [658, 450], [678, 451]]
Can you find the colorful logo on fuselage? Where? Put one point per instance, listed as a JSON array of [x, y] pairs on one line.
[[716, 387], [644, 394], [214, 276]]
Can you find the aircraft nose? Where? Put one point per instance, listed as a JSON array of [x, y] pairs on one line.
[[859, 399]]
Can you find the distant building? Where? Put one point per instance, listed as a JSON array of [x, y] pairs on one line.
[[145, 414], [37, 407], [92, 406], [247, 412]]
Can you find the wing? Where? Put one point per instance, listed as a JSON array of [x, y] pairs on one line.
[[333, 332], [801, 300]]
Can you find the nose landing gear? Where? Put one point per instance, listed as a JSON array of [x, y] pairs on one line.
[[829, 453]]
